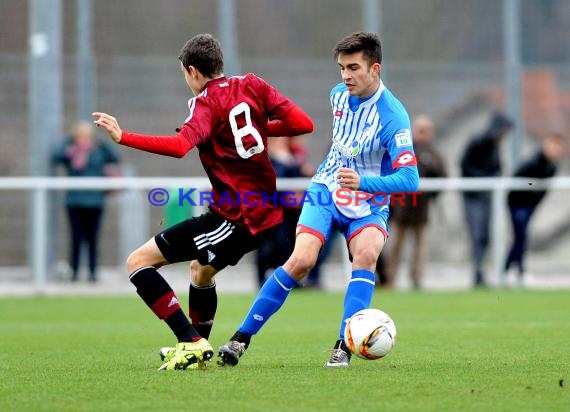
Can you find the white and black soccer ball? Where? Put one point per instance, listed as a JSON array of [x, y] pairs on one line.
[[370, 334]]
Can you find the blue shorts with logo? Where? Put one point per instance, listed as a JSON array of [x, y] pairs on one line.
[[320, 216]]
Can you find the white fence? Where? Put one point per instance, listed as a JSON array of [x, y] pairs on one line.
[[42, 185]]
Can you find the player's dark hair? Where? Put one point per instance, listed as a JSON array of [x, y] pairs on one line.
[[204, 52], [368, 43]]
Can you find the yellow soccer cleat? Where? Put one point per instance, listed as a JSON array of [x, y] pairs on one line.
[[187, 355], [166, 353]]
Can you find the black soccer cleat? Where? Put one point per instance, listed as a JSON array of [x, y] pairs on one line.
[[230, 353], [340, 356]]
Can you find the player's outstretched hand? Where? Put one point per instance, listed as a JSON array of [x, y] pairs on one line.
[[110, 124], [348, 178]]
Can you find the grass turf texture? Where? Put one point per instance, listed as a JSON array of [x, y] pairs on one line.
[[482, 350]]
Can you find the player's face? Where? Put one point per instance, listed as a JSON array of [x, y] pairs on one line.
[[361, 78]]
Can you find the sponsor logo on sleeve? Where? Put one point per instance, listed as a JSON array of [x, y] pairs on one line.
[[405, 159], [403, 138]]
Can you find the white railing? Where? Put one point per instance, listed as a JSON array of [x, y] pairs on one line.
[[41, 185]]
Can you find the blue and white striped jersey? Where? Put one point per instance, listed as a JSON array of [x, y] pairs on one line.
[[373, 137]]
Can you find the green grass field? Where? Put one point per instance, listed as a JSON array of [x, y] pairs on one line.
[[484, 350]]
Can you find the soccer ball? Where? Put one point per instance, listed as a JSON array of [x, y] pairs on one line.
[[370, 334]]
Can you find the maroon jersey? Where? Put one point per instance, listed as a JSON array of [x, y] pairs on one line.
[[228, 125]]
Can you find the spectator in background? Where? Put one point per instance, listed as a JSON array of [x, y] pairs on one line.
[[522, 204], [289, 159], [481, 159], [83, 155], [409, 217]]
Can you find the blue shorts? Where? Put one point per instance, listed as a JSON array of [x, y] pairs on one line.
[[320, 217]]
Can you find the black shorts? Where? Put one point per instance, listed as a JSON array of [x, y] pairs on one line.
[[209, 238]]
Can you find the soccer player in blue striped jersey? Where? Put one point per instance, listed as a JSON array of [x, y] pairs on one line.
[[371, 156]]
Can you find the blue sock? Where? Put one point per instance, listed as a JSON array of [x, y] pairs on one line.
[[268, 301], [358, 295]]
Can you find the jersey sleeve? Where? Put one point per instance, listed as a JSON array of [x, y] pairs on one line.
[[295, 122], [396, 136], [174, 146], [195, 130]]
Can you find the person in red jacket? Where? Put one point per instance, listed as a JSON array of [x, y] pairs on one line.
[[229, 121]]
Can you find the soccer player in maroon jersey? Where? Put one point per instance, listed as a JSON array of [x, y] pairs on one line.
[[229, 122]]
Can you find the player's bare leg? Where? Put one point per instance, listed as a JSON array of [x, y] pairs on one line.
[[304, 256], [147, 255], [366, 247]]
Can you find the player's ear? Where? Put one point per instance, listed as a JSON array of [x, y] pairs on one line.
[[376, 67], [193, 71]]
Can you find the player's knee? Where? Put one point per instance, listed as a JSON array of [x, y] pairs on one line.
[[299, 265], [365, 258], [202, 275], [194, 270], [134, 261]]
